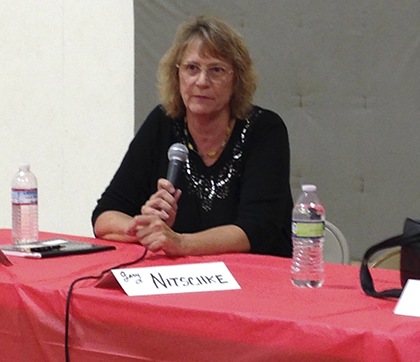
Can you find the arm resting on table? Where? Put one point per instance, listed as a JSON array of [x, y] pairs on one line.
[[113, 225], [217, 240], [117, 226]]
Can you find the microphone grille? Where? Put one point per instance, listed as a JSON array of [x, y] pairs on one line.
[[178, 151]]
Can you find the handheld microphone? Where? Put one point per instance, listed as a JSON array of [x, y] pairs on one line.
[[177, 155]]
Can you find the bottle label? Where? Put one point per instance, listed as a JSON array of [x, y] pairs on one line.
[[308, 229], [25, 197]]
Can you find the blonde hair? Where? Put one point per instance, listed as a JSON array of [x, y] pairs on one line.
[[219, 40]]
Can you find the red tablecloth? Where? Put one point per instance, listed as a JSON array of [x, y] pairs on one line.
[[268, 319]]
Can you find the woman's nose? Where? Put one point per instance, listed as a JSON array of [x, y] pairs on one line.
[[203, 77]]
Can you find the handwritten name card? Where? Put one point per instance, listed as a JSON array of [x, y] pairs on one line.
[[170, 279]]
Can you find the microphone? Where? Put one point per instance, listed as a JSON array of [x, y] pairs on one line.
[[177, 155]]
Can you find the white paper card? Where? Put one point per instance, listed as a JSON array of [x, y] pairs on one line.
[[170, 279], [409, 301]]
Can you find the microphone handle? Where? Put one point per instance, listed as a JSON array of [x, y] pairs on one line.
[[174, 167]]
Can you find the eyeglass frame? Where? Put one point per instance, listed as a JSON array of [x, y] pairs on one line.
[[200, 69]]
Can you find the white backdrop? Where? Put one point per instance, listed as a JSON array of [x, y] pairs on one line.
[[344, 75], [66, 102]]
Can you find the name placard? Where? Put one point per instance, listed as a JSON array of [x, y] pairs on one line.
[[170, 279]]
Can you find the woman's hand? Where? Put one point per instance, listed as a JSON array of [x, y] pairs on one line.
[[155, 235], [163, 203]]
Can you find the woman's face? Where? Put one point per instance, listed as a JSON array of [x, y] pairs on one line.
[[206, 83]]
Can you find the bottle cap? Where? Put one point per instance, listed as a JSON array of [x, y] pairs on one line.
[[24, 167], [308, 188]]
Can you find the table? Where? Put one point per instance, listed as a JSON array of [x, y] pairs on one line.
[[268, 319]]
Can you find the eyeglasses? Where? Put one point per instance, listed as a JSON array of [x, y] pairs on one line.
[[216, 73]]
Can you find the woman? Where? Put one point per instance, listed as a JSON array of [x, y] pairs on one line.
[[234, 192]]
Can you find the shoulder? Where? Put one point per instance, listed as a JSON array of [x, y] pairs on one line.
[[265, 117], [157, 123], [156, 128], [263, 121], [156, 117]]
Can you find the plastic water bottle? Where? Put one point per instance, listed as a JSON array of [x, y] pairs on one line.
[[24, 206], [308, 225]]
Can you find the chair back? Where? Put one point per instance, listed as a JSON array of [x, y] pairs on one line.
[[336, 249], [389, 259]]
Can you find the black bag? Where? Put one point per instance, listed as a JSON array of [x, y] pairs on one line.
[[409, 241]]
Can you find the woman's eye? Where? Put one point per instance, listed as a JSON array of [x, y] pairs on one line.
[[192, 68], [217, 70]]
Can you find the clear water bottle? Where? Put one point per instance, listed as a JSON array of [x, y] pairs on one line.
[[24, 206], [308, 225]]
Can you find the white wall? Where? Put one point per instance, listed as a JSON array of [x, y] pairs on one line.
[[66, 102]]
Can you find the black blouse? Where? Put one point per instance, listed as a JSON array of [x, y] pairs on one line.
[[247, 186]]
